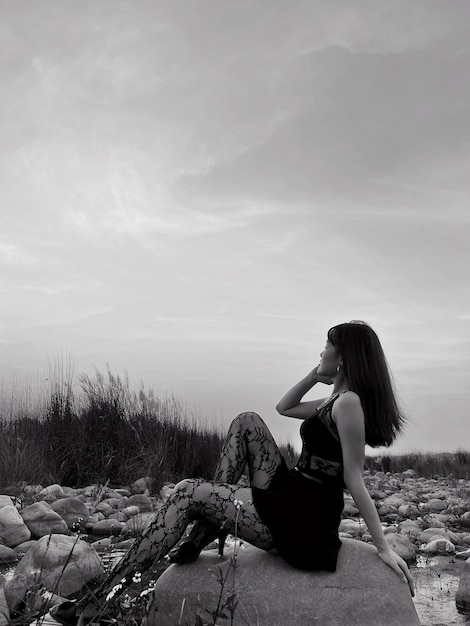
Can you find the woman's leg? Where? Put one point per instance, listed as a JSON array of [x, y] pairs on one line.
[[220, 504], [249, 442]]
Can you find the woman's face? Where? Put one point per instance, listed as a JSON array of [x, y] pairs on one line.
[[329, 361]]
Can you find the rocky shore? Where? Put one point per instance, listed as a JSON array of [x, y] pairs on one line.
[[41, 530]]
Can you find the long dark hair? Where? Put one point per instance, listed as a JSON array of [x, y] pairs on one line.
[[366, 371]]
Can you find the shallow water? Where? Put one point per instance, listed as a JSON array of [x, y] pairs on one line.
[[436, 581]]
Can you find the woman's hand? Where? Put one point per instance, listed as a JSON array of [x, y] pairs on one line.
[[393, 560], [319, 378]]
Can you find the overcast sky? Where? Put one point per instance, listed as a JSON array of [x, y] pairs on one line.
[[195, 191]]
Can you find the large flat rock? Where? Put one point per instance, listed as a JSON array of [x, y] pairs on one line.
[[362, 592]]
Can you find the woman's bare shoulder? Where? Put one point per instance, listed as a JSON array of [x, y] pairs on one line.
[[346, 402]]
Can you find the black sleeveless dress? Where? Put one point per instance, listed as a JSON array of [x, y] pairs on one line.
[[302, 514]]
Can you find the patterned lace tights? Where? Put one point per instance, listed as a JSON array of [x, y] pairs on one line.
[[248, 445]]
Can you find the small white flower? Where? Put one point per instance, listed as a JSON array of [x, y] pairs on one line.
[[238, 504], [113, 592], [137, 577]]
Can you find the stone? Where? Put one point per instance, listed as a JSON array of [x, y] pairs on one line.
[[7, 555], [436, 520], [30, 491], [107, 527], [141, 485], [130, 511], [60, 563], [41, 599], [4, 610], [119, 516], [457, 509], [137, 524], [22, 548], [385, 510], [114, 503], [438, 545], [410, 528], [462, 597], [42, 520], [431, 533], [140, 500], [73, 511], [394, 501], [353, 527], [402, 545], [436, 505], [103, 545], [363, 591], [408, 511], [105, 508], [349, 509], [5, 501], [166, 491], [51, 493], [13, 530], [465, 519]]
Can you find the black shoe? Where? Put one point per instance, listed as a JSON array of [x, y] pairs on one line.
[[65, 613], [68, 614], [201, 535]]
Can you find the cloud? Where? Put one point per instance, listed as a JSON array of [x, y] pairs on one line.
[[207, 181]]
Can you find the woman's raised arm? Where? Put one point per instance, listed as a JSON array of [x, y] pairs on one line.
[[290, 404]]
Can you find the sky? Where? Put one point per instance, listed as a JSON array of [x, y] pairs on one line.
[[194, 192]]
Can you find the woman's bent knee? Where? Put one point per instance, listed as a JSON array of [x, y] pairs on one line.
[[187, 485], [249, 417]]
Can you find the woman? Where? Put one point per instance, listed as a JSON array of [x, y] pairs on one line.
[[276, 510]]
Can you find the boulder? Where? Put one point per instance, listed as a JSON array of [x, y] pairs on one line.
[[142, 485], [431, 533], [438, 545], [355, 528], [137, 524], [362, 592], [42, 520], [105, 508], [402, 545], [465, 518], [130, 511], [73, 511], [394, 500], [436, 520], [410, 528], [4, 610], [22, 548], [5, 501], [7, 555], [436, 505], [13, 530], [462, 597], [51, 493], [60, 563], [140, 500], [408, 511], [107, 527]]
